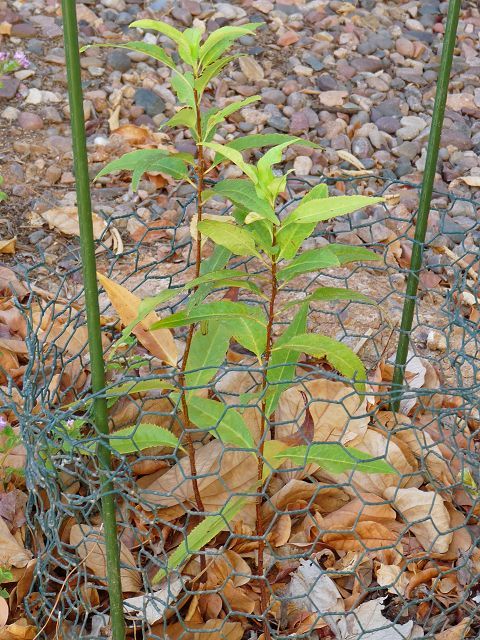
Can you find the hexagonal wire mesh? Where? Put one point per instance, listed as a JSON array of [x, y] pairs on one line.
[[345, 554]]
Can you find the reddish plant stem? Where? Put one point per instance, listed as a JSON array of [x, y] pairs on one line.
[[259, 524], [200, 171]]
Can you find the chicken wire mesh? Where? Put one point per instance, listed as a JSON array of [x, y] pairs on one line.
[[347, 556]]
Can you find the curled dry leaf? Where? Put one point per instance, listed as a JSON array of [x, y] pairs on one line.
[[365, 536], [65, 220], [159, 343], [369, 507], [19, 630], [393, 576], [419, 442], [4, 612], [11, 553], [458, 632], [426, 515], [89, 544], [133, 134]]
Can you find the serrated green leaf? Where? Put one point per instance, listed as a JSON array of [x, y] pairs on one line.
[[243, 194], [335, 458], [201, 535], [283, 361], [314, 211], [207, 353], [224, 422], [144, 160], [236, 239], [140, 437], [312, 260], [340, 357]]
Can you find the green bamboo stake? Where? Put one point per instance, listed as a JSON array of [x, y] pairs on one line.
[[425, 200], [87, 247]]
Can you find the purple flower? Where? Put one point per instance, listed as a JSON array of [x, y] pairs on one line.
[[3, 56], [70, 423], [3, 423], [21, 59]]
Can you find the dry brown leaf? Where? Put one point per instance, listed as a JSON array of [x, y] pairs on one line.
[[89, 544], [367, 507], [159, 343], [365, 536], [12, 554], [65, 220], [419, 442], [219, 630], [10, 284], [426, 515], [458, 632], [378, 446], [19, 630], [338, 414], [393, 576], [133, 134], [4, 612], [348, 157], [368, 621], [8, 246], [311, 590], [220, 474], [472, 181], [228, 565]]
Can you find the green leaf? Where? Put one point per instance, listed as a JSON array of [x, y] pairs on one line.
[[318, 192], [250, 333], [216, 276], [235, 157], [314, 211], [183, 87], [312, 260], [225, 422], [211, 71], [339, 356], [207, 353], [127, 388], [218, 260], [191, 49], [225, 309], [243, 194], [324, 294], [271, 157], [140, 437], [259, 140], [144, 160], [221, 114], [146, 306], [169, 31], [236, 239], [283, 361], [186, 116], [350, 253], [221, 39], [335, 458], [151, 50], [201, 535]]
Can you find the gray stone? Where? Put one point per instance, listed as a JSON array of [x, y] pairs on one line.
[[462, 208], [151, 102], [361, 148], [407, 150], [458, 139], [9, 87], [367, 65], [280, 123], [388, 124], [313, 61], [30, 121], [158, 5], [327, 83], [452, 229], [273, 96], [35, 46], [119, 60]]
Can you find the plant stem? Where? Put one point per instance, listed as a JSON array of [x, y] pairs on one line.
[[87, 247], [200, 171], [259, 523]]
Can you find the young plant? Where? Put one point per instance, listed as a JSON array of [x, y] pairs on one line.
[[253, 230]]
